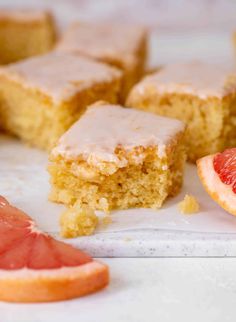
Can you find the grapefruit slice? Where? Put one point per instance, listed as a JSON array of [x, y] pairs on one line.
[[218, 175], [34, 267]]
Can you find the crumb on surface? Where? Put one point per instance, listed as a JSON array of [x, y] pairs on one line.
[[127, 239], [189, 205], [78, 221], [106, 220]]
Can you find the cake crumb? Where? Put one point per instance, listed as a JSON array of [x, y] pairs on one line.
[[106, 220], [189, 205], [78, 221], [127, 239]]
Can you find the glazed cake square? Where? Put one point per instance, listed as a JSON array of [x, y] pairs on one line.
[[118, 158], [25, 33], [41, 97], [122, 46], [200, 94]]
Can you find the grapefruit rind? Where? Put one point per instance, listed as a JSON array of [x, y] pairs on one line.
[[27, 285], [220, 192], [34, 267]]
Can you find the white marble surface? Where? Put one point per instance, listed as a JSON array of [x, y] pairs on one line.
[[147, 290]]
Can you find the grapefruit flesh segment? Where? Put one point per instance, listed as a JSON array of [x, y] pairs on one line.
[[225, 165], [34, 267], [211, 179]]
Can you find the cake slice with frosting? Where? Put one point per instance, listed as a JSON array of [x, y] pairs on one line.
[[202, 95], [122, 46], [42, 96], [118, 158]]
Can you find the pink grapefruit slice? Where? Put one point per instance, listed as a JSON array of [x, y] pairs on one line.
[[218, 175], [34, 267]]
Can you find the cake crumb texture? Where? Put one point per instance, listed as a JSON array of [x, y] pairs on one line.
[[77, 221], [138, 185], [189, 205]]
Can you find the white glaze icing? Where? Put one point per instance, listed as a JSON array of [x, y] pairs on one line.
[[59, 75], [103, 41], [103, 128], [23, 15], [195, 78]]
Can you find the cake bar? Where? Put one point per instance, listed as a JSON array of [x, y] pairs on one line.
[[42, 96], [118, 158], [200, 94], [122, 46]]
